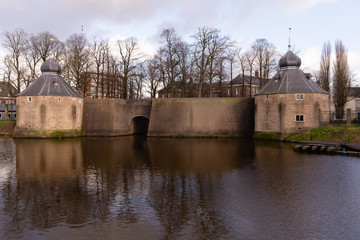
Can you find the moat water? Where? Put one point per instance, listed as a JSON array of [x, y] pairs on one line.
[[161, 188]]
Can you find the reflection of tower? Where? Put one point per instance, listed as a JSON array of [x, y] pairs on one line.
[[49, 173], [49, 160], [49, 107]]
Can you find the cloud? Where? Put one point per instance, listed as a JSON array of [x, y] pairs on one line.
[[296, 6], [310, 60], [354, 64]]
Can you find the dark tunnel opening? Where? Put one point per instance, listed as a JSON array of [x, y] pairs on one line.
[[140, 125]]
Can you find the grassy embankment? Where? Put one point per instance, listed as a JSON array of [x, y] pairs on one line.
[[338, 133], [7, 127]]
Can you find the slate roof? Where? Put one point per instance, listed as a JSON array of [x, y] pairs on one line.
[[290, 79], [354, 92], [239, 80], [50, 83]]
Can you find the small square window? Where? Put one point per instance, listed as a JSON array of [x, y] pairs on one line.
[[300, 118], [299, 96]]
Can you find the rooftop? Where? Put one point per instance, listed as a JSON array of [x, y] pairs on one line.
[[50, 83], [290, 79]]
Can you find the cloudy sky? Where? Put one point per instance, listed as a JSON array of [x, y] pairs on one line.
[[312, 21]]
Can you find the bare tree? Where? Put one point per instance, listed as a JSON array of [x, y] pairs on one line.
[[265, 58], [47, 44], [139, 81], [170, 57], [153, 76], [32, 55], [342, 79], [250, 57], [208, 43], [244, 67], [232, 53], [98, 53], [218, 49], [162, 73], [129, 59], [185, 68], [324, 73], [221, 71], [77, 60], [15, 42]]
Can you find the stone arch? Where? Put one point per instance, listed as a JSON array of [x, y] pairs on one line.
[[140, 125]]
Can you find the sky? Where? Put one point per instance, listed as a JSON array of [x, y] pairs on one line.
[[312, 22]]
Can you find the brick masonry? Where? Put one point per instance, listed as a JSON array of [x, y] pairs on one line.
[[277, 112], [48, 116], [202, 117]]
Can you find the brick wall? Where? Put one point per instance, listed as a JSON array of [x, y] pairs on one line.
[[277, 112]]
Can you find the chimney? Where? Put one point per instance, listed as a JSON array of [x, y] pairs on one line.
[[257, 73]]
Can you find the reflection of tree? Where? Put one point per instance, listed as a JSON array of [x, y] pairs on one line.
[[209, 221], [182, 201], [169, 200], [187, 173], [126, 212], [94, 180]]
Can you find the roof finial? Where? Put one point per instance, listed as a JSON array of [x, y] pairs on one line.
[[289, 39]]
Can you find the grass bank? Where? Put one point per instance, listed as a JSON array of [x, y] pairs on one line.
[[337, 133]]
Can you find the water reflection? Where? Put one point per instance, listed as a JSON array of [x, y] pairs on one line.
[[187, 172], [160, 188], [97, 180]]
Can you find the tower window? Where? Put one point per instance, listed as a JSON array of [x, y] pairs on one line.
[[29, 99], [59, 99], [299, 118], [299, 96]]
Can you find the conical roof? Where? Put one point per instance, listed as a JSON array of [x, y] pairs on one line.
[[290, 79], [50, 83]]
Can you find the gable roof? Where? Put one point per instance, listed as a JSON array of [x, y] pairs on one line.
[[354, 92], [239, 80], [50, 83]]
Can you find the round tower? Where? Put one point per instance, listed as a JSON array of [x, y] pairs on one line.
[[49, 107]]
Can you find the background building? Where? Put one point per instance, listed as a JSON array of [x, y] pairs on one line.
[[101, 85], [237, 87], [7, 101]]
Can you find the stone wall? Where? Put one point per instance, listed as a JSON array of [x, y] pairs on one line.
[[202, 117], [48, 116], [113, 117], [277, 112]]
